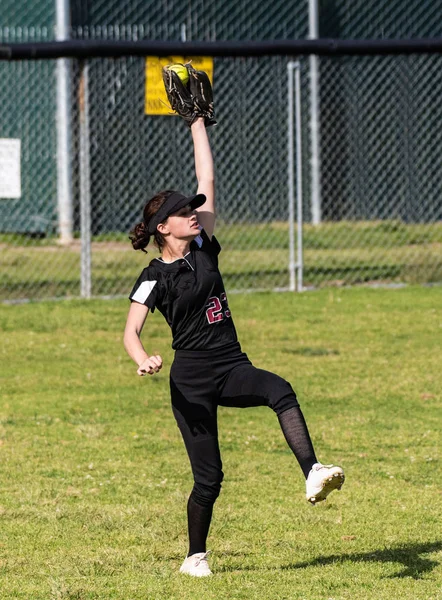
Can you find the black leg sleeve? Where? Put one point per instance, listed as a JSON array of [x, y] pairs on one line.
[[198, 519], [296, 433]]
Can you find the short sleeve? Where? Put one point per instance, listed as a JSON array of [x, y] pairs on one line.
[[203, 243], [145, 290]]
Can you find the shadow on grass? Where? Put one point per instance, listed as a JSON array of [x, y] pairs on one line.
[[409, 556], [307, 351]]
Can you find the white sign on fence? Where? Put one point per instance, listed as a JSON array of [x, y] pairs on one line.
[[10, 175]]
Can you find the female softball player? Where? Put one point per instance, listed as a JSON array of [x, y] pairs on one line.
[[209, 367]]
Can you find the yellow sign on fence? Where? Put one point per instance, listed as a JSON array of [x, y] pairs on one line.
[[156, 102]]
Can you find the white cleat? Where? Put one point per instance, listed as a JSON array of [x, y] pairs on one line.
[[196, 565], [322, 480]]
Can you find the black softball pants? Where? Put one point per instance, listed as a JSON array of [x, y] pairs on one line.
[[202, 381]]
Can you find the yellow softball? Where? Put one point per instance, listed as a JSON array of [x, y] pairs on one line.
[[181, 71]]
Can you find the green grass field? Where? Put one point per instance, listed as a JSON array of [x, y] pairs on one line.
[[256, 257], [94, 479]]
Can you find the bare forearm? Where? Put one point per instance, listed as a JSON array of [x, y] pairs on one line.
[[203, 154], [205, 175], [135, 348], [147, 365]]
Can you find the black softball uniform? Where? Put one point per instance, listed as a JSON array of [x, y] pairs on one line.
[[189, 292], [209, 368]]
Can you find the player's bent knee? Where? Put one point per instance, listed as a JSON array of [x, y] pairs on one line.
[[284, 403], [283, 397]]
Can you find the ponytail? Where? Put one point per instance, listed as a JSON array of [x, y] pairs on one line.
[[138, 236]]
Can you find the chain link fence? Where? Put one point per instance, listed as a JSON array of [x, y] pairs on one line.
[[381, 208]]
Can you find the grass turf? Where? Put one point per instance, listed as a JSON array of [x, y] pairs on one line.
[[94, 479], [256, 258]]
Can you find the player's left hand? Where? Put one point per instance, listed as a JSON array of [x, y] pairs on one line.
[[193, 99]]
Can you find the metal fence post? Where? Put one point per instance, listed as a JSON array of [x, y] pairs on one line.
[[294, 108], [64, 179], [85, 197], [299, 213], [314, 118]]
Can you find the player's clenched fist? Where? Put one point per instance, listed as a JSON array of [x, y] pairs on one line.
[[151, 365]]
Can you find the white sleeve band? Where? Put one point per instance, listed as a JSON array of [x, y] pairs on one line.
[[199, 240], [142, 293]]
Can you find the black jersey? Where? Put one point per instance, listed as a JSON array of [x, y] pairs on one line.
[[190, 293]]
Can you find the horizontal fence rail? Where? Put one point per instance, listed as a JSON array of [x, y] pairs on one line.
[[116, 49]]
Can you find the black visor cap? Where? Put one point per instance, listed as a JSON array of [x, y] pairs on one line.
[[174, 202]]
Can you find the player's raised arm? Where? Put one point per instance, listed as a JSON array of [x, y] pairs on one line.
[[205, 175], [190, 95]]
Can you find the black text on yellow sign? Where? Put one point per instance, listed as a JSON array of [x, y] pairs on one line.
[[156, 102]]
